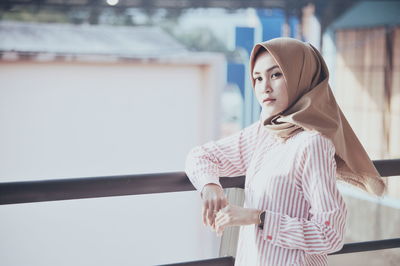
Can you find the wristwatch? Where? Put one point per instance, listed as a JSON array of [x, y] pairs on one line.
[[262, 218]]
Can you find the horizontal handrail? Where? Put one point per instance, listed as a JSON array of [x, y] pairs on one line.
[[222, 261], [389, 167], [347, 248], [109, 186], [368, 246], [106, 186]]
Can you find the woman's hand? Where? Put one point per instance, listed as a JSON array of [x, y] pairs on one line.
[[233, 215], [214, 199]]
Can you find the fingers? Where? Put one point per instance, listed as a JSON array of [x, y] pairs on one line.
[[221, 215], [210, 212], [210, 208], [207, 212], [213, 224], [221, 221], [218, 204], [224, 203], [204, 215], [214, 199]]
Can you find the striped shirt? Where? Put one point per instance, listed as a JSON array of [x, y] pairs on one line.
[[293, 181]]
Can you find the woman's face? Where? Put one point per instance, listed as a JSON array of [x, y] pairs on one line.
[[269, 84]]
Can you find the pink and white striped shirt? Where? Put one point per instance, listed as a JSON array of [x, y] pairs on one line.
[[293, 181]]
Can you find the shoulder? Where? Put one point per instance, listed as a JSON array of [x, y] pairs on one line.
[[316, 153], [251, 131], [256, 126], [314, 140]]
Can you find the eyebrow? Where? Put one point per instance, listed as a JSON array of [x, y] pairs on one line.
[[269, 69]]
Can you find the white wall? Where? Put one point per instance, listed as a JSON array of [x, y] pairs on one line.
[[70, 119]]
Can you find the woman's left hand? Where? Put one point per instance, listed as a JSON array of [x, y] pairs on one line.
[[233, 215]]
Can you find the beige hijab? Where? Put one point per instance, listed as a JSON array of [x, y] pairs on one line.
[[312, 106]]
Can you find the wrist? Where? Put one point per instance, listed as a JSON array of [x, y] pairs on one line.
[[256, 216], [210, 186]]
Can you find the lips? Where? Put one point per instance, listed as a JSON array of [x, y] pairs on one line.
[[268, 100]]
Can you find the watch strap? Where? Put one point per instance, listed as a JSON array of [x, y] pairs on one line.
[[262, 218]]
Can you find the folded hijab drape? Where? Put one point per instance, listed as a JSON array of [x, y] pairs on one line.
[[313, 107]]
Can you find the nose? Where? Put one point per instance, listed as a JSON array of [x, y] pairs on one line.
[[268, 88]]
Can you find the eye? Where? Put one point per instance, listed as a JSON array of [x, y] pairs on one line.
[[258, 78], [276, 75]]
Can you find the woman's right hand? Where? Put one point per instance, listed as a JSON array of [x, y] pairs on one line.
[[214, 199]]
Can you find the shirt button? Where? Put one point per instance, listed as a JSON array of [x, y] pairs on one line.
[[269, 237], [327, 223]]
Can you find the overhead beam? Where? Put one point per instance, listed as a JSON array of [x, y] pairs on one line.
[[173, 4]]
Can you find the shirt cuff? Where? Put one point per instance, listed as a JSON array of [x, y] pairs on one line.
[[201, 184], [270, 230]]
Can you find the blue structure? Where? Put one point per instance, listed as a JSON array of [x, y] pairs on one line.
[[237, 72], [244, 38], [272, 21], [236, 75], [293, 25]]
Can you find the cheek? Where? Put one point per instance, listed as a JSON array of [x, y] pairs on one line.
[[283, 91], [257, 92], [286, 97]]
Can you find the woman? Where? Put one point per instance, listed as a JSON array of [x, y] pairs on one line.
[[293, 213]]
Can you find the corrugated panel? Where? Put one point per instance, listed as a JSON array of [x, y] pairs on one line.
[[360, 84], [370, 14], [87, 39], [368, 90], [394, 136]]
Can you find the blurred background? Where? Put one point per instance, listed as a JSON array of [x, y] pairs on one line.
[[116, 87]]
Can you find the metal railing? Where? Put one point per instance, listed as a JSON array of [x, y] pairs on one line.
[[109, 186]]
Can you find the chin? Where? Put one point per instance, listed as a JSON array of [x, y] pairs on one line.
[[266, 114], [269, 110]]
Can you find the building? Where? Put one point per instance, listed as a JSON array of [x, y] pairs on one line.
[[85, 101]]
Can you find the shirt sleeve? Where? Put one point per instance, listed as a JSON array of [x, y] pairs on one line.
[[323, 231], [228, 157]]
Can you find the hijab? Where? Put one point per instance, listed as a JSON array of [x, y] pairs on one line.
[[312, 106]]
